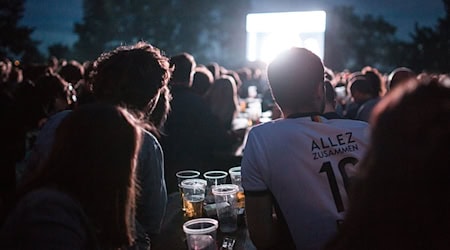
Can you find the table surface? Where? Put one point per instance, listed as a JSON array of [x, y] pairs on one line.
[[172, 236]]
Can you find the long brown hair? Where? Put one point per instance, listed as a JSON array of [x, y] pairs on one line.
[[134, 76], [93, 160]]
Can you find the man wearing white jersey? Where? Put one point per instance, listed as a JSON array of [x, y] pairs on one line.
[[299, 166]]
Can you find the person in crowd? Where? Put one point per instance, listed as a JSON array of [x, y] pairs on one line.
[[31, 105], [401, 196], [82, 197], [12, 133], [203, 79], [377, 79], [330, 76], [223, 100], [193, 135], [233, 74], [376, 91], [53, 64], [133, 76], [245, 74], [49, 95], [329, 111], [400, 75], [32, 72], [84, 86], [299, 166], [15, 77], [72, 72], [361, 91], [54, 94], [214, 68]]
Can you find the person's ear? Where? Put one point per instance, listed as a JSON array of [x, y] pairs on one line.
[[320, 96], [320, 91]]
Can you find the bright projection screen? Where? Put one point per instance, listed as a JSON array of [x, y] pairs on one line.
[[270, 33]]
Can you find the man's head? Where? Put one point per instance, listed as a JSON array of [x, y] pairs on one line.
[[296, 79], [360, 88], [132, 76], [399, 76], [184, 65]]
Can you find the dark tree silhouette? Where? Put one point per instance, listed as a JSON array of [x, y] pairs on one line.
[[352, 41], [430, 48], [15, 39], [60, 50], [207, 29]]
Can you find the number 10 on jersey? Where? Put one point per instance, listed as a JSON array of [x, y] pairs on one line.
[[328, 169]]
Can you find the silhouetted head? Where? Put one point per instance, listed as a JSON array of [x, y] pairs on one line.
[[399, 76], [183, 73], [203, 79], [374, 81], [54, 93], [132, 76], [360, 88], [296, 79], [223, 99], [72, 72], [214, 68]]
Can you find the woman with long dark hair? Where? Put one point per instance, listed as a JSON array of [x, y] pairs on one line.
[[83, 196]]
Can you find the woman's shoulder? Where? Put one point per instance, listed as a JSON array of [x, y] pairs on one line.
[[149, 141]]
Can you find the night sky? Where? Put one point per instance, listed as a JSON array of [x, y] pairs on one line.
[[53, 19]]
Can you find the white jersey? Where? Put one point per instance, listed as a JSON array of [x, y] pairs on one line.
[[306, 165]]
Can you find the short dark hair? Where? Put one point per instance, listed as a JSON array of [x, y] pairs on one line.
[[183, 65], [359, 83], [203, 79], [293, 76]]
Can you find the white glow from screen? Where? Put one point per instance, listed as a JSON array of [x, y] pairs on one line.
[[313, 45], [277, 42], [270, 33], [298, 22]]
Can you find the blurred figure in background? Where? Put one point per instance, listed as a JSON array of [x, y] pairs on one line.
[[399, 75], [401, 198], [193, 135], [360, 91], [377, 90], [72, 72], [222, 98], [203, 79]]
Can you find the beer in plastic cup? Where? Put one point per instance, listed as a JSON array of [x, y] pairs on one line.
[[193, 196]]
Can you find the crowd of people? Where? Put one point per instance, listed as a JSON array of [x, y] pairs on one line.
[[349, 160]]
